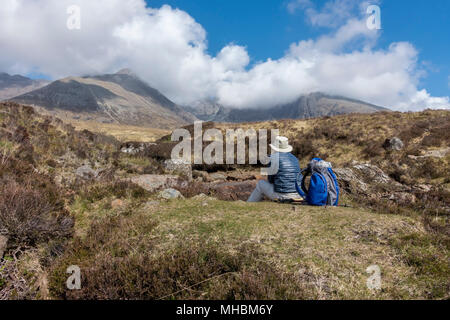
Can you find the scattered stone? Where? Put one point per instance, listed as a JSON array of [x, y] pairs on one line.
[[170, 194], [153, 182], [3, 245], [439, 153], [200, 175], [133, 147], [117, 203], [423, 187], [403, 198], [178, 166], [86, 172], [217, 176], [202, 196], [393, 144]]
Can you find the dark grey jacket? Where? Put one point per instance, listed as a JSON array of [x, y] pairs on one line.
[[288, 170]]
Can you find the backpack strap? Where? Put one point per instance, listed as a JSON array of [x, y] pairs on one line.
[[300, 182], [308, 171]]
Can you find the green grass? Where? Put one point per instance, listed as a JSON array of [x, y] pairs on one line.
[[327, 248]]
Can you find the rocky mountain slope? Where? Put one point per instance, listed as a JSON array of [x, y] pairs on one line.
[[112, 98], [307, 106], [14, 85]]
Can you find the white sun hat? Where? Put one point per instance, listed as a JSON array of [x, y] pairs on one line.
[[281, 144]]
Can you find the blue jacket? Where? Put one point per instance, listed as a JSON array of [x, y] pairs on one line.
[[288, 170]]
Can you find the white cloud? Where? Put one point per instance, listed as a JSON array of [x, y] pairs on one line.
[[168, 49]]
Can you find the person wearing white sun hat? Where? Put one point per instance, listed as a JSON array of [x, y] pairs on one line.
[[281, 185]]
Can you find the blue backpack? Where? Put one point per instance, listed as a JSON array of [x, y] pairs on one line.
[[323, 186]]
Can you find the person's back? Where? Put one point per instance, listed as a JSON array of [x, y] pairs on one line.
[[288, 170], [281, 185]]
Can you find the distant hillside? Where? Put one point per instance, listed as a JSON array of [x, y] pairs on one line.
[[112, 98], [14, 85], [307, 106]]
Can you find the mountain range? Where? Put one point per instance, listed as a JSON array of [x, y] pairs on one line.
[[14, 85], [312, 105], [124, 98], [120, 98]]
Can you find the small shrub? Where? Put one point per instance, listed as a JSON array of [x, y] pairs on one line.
[[29, 215], [115, 188]]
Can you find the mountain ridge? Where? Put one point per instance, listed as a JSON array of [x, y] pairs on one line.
[[14, 85], [312, 105], [120, 98]]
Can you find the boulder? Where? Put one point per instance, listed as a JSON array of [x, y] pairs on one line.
[[348, 180], [170, 194], [3, 245], [178, 166], [153, 182], [365, 178], [393, 144], [372, 173]]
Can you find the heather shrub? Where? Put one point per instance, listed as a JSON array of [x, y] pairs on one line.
[[113, 188], [29, 215], [191, 270]]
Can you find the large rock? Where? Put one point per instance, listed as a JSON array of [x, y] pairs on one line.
[[372, 173], [153, 182], [365, 178], [178, 166], [349, 180], [3, 245]]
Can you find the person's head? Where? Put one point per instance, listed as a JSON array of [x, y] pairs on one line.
[[281, 144]]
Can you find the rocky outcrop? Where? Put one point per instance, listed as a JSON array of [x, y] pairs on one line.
[[370, 181], [363, 178]]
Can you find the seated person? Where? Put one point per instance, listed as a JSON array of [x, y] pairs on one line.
[[280, 186]]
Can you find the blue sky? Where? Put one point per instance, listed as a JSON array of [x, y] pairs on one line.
[[267, 29]]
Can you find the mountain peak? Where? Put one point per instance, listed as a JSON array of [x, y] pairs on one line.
[[126, 71]]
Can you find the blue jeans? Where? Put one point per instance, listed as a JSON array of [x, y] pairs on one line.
[[266, 189]]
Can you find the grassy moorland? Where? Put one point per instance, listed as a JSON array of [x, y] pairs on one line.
[[130, 244]]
